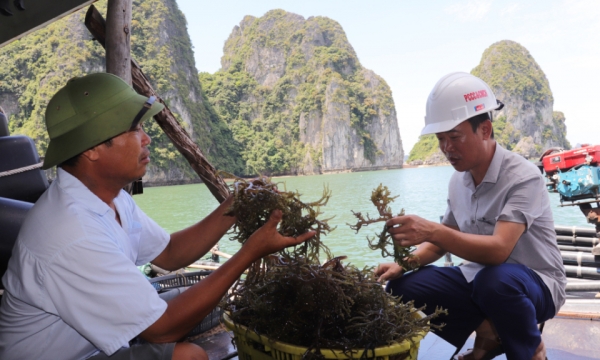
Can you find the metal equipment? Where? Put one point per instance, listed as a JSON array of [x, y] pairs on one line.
[[575, 175]]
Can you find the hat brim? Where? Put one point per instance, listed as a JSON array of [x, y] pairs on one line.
[[444, 126], [104, 126], [440, 127]]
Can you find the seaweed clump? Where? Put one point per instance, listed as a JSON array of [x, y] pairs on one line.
[[403, 256], [329, 306], [291, 297], [255, 200]]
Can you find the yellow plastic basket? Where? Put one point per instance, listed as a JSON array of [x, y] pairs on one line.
[[252, 346]]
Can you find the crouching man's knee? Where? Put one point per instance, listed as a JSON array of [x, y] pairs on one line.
[[496, 286], [188, 351]]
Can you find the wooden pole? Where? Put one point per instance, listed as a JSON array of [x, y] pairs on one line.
[[220, 253], [118, 46], [202, 267], [165, 119]]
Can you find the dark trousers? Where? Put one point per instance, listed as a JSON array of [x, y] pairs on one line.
[[513, 296]]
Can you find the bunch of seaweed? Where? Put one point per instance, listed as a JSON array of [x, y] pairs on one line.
[[292, 298], [254, 201], [380, 197]]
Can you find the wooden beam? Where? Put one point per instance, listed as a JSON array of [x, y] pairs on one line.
[[165, 119], [118, 44]]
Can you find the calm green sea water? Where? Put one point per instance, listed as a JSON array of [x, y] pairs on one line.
[[422, 191]]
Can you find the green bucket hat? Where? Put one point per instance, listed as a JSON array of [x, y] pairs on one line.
[[90, 110]]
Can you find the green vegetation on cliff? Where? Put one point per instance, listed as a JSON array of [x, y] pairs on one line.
[[504, 132], [169, 64], [424, 148], [269, 145], [263, 103], [36, 66], [507, 65], [281, 75], [520, 83]]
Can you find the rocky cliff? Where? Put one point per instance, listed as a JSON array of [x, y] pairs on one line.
[[527, 116], [527, 124], [36, 66], [298, 100]]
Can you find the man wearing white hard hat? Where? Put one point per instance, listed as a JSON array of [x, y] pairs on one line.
[[498, 219]]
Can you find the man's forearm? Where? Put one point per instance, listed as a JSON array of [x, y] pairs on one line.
[[186, 310], [471, 247], [190, 244], [485, 249], [427, 253]]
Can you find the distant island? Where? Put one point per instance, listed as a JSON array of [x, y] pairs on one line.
[[527, 124]]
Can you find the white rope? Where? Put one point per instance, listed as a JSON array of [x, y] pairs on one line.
[[579, 254], [20, 170], [574, 238]]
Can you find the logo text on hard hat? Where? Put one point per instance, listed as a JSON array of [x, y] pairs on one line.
[[479, 107], [475, 95]]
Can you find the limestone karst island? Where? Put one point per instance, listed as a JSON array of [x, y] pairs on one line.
[[291, 97]]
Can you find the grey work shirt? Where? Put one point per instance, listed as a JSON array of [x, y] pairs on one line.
[[513, 189]]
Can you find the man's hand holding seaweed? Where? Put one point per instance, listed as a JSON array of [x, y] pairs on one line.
[[267, 240], [406, 231], [381, 198], [411, 230]]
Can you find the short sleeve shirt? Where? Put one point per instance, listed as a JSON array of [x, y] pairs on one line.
[[72, 287], [513, 190]]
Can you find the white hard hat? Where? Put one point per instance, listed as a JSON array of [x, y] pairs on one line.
[[455, 98]]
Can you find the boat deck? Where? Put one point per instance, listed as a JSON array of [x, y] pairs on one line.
[[572, 335]]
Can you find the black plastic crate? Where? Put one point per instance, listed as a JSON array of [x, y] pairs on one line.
[[169, 282]]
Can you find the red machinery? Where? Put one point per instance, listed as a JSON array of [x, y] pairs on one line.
[[575, 175], [555, 159]]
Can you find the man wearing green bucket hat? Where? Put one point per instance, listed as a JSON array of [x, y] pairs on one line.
[[72, 288]]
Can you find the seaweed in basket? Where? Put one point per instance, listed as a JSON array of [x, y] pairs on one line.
[[291, 297]]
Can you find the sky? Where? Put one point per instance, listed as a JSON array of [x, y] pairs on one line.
[[411, 44]]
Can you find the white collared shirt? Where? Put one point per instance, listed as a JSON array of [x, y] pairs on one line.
[[72, 286]]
